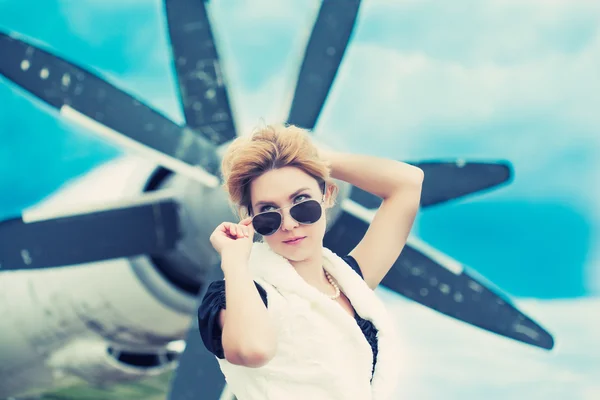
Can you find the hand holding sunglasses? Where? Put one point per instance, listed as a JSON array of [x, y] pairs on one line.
[[233, 238]]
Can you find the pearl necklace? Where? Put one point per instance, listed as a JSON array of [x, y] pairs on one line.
[[334, 284]]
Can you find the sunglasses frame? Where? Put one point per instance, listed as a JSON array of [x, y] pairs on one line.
[[278, 211]]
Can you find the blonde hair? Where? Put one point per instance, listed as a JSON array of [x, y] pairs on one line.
[[271, 147]]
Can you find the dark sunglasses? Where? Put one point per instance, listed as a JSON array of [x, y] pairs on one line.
[[306, 212]]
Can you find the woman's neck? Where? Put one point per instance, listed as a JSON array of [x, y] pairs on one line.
[[311, 270]]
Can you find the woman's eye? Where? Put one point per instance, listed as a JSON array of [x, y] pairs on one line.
[[301, 197], [266, 208]]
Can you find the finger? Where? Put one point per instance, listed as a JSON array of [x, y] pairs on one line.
[[249, 228], [224, 227], [246, 221], [228, 230]]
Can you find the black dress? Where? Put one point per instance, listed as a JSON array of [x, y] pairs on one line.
[[214, 301]]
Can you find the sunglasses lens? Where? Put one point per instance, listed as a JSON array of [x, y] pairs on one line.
[[267, 223], [307, 212]]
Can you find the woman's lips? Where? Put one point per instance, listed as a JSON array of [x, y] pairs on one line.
[[295, 241]]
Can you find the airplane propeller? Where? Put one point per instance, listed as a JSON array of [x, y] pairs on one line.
[[86, 99], [420, 273]]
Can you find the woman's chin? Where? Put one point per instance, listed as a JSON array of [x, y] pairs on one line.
[[296, 254]]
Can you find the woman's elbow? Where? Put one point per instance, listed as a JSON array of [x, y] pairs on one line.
[[409, 179], [417, 176], [252, 358]]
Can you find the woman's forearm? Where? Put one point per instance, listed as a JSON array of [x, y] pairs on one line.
[[248, 336], [379, 176]]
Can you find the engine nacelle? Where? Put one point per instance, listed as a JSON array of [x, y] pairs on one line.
[[101, 365]]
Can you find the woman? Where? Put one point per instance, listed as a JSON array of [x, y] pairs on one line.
[[291, 319]]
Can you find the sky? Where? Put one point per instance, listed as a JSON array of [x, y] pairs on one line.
[[421, 80]]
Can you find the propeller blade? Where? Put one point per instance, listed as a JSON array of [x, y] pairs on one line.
[[324, 52], [198, 370], [419, 275], [145, 225], [198, 374], [202, 88], [82, 96], [445, 181], [434, 280]]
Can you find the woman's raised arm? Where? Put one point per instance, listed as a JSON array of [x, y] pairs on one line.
[[399, 185]]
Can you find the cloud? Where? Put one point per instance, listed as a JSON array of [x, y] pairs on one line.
[[448, 359], [541, 115], [415, 91], [471, 31], [258, 12], [419, 69]]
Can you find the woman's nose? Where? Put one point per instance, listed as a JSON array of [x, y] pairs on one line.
[[288, 222]]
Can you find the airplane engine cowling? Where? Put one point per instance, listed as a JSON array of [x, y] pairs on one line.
[[100, 365]]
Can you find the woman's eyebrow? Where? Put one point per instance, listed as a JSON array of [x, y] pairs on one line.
[[296, 193]]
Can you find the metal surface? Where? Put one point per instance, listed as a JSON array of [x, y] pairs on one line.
[[324, 52], [126, 230], [202, 87]]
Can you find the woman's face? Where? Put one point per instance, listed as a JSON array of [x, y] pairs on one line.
[[282, 188]]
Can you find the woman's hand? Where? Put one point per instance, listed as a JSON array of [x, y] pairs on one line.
[[233, 239]]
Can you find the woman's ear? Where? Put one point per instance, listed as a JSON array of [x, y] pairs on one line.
[[330, 195]]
